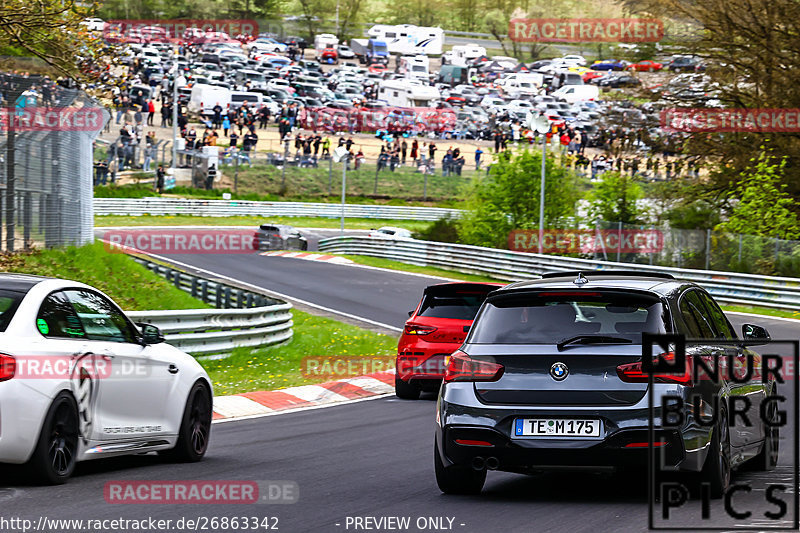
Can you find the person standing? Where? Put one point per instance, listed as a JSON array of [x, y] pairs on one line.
[[403, 151], [478, 154], [414, 151], [431, 151]]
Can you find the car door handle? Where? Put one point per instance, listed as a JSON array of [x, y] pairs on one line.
[[172, 369]]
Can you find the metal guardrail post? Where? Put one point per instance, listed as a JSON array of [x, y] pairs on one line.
[[204, 291], [227, 296]]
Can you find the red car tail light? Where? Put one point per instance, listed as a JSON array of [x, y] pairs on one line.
[[461, 367], [632, 372], [8, 367], [413, 329]]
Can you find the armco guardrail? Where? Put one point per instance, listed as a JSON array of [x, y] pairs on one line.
[[225, 208], [743, 289], [243, 318]]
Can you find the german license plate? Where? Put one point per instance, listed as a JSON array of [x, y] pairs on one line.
[[557, 427]]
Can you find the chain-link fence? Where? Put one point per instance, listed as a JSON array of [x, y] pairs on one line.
[[708, 250], [46, 166]]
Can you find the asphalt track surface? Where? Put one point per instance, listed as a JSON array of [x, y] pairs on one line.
[[374, 458]]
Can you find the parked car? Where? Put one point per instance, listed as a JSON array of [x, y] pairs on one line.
[[434, 330], [280, 237], [684, 64], [647, 65], [551, 373], [623, 80], [345, 52], [610, 64]]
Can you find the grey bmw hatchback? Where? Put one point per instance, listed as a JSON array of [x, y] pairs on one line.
[[551, 375]]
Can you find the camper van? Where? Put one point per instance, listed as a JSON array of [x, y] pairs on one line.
[[405, 93], [407, 39], [462, 54], [325, 40], [414, 67]]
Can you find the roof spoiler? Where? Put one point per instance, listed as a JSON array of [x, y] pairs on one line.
[[619, 273]]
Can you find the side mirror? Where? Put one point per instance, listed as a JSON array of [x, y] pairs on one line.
[[752, 332], [411, 312], [151, 334]]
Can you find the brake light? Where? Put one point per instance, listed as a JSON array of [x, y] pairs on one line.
[[461, 367], [8, 367], [656, 444], [413, 329], [632, 372]]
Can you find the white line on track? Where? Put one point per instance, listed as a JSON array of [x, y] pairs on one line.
[[281, 295]]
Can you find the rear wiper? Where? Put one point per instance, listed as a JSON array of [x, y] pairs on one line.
[[592, 339]]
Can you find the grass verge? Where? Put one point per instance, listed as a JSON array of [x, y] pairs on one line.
[[278, 367], [129, 284], [305, 222]]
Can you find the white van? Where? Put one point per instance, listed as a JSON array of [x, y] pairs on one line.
[[238, 97], [414, 67], [405, 93], [204, 97], [577, 93], [464, 53]]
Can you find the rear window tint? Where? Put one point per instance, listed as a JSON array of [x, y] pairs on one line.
[[551, 317], [457, 306]]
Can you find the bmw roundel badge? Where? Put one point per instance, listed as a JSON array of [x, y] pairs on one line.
[[559, 371]]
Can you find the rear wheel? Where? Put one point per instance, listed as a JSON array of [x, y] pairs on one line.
[[54, 457], [717, 469], [404, 390], [195, 430], [457, 479], [767, 458]]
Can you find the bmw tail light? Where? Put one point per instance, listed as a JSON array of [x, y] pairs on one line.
[[461, 367], [633, 373], [413, 329], [8, 367]]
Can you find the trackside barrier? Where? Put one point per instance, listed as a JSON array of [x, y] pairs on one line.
[[242, 318], [727, 287], [226, 208]]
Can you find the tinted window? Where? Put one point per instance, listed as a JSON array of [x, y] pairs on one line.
[[692, 304], [458, 306], [9, 302], [717, 317], [57, 318], [548, 318], [100, 318]]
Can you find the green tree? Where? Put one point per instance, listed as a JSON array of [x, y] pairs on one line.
[[761, 205], [508, 199], [614, 199]]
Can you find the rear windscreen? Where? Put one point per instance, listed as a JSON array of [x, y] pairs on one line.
[[459, 306], [551, 317]]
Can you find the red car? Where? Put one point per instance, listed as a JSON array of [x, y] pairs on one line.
[[435, 329], [590, 75], [377, 68], [328, 54], [648, 65]]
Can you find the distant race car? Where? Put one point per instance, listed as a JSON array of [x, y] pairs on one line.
[[280, 237], [79, 380], [389, 232]]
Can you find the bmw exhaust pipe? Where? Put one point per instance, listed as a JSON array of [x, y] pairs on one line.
[[478, 463], [492, 463]]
